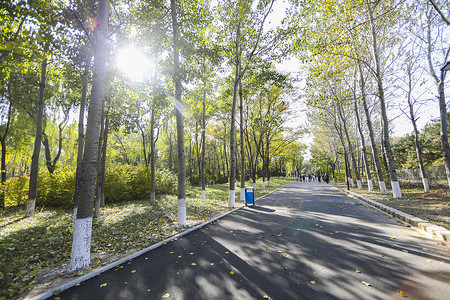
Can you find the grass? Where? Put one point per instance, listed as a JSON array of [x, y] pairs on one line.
[[433, 206], [35, 252]]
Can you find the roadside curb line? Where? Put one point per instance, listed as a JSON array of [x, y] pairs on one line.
[[97, 272], [424, 227]]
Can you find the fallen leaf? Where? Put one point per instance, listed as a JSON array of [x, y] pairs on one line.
[[393, 238], [125, 283], [148, 290], [266, 297], [103, 285], [212, 264], [133, 271], [426, 249], [164, 243], [358, 271], [287, 255], [56, 292], [279, 251], [357, 228], [267, 249], [286, 268], [231, 272], [336, 231], [366, 283], [166, 295], [313, 282], [403, 294], [77, 284], [429, 260], [404, 250], [193, 264]]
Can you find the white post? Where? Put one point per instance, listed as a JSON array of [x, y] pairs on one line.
[[243, 195]]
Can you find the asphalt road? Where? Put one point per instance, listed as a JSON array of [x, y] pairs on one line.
[[304, 241]]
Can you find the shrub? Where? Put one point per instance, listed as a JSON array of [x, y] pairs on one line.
[[56, 190], [16, 191]]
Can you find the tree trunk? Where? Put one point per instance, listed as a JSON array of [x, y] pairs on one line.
[[396, 191], [363, 150], [82, 228], [99, 167], [348, 172], [180, 125], [81, 130], [439, 81], [241, 116], [3, 166], [103, 159], [152, 151], [376, 158], [350, 149], [32, 192], [203, 183]]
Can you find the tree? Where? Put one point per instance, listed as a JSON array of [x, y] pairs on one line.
[[82, 229]]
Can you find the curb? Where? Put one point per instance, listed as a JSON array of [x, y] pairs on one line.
[[430, 230], [97, 272]]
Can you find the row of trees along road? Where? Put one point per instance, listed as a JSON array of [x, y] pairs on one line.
[[212, 68], [368, 60], [209, 61]]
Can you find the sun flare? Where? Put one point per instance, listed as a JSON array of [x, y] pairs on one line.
[[134, 63]]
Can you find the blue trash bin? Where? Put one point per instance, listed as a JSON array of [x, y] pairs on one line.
[[249, 196]]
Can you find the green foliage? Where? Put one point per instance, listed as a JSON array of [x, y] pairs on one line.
[[16, 191], [122, 183], [56, 190], [125, 182]]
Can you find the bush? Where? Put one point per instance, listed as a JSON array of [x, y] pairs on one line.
[[122, 183], [16, 191], [56, 190], [125, 183]]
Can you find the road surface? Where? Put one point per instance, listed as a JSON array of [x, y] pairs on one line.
[[307, 240]]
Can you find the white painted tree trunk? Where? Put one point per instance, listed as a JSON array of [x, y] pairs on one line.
[[370, 185], [81, 244], [383, 188], [231, 198], [268, 182], [254, 186], [396, 191], [264, 185], [242, 195], [203, 196], [352, 183], [359, 184], [153, 197], [426, 187], [181, 217]]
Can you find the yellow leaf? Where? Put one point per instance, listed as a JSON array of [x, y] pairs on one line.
[[426, 249], [103, 285], [279, 251], [164, 243], [148, 290], [287, 255], [77, 284], [266, 297], [404, 250], [267, 249], [313, 282], [231, 272], [336, 231], [212, 264], [429, 260], [125, 283], [358, 271], [357, 228], [166, 295], [134, 271], [366, 283], [286, 268], [393, 238], [403, 294], [172, 252], [193, 264]]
